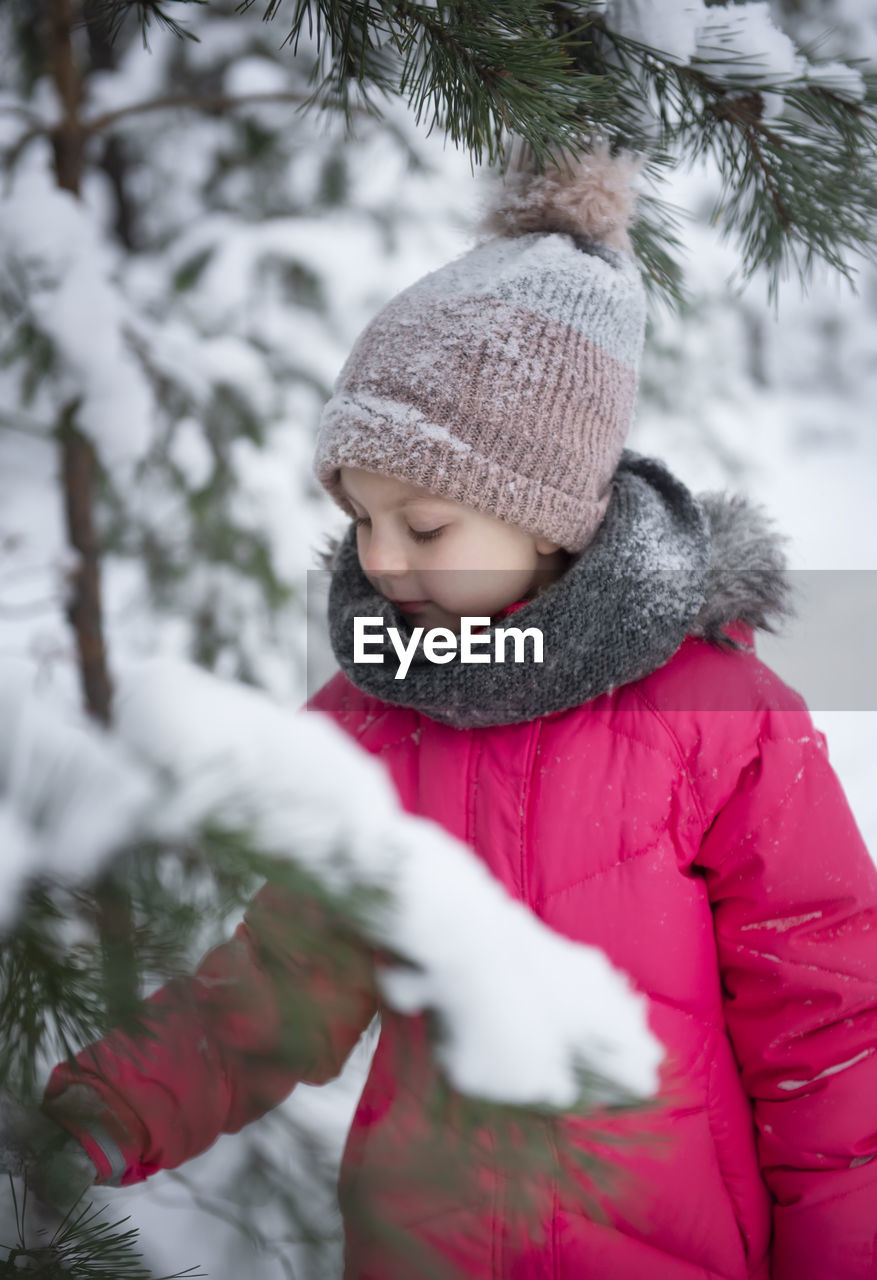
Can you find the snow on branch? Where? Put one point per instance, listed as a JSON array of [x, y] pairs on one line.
[[523, 1010], [70, 795], [526, 1016], [57, 275], [733, 42]]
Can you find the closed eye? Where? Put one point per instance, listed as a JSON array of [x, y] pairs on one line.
[[425, 535]]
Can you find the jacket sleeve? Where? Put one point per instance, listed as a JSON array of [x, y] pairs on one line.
[[794, 898], [226, 1044], [221, 1047], [350, 708]]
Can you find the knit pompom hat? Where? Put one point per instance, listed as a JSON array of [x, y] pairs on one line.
[[506, 380]]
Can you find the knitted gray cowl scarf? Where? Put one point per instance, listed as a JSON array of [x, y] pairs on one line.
[[662, 565]]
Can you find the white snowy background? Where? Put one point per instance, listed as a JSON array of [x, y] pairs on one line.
[[279, 281]]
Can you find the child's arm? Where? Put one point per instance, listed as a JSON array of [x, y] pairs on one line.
[[794, 897], [229, 1046], [217, 1059], [350, 708]]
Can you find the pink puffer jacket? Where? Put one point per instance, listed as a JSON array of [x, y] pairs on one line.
[[714, 857]]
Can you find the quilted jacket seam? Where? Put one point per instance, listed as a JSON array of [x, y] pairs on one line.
[[832, 1199], [631, 737], [527, 791], [681, 761], [725, 1183], [748, 753], [472, 774], [754, 751], [601, 871], [770, 815], [717, 1028]]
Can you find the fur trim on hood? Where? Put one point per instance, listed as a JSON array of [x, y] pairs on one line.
[[748, 579]]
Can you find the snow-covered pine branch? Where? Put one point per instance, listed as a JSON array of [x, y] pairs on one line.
[[70, 795], [738, 43], [524, 1012], [480, 960], [59, 269]]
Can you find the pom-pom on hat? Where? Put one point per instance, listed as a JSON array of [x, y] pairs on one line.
[[506, 380]]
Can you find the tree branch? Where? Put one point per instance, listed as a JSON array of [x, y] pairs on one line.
[[211, 103], [744, 111], [84, 605], [19, 109], [67, 134], [784, 215]]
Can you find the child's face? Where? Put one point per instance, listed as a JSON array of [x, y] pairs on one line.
[[439, 559]]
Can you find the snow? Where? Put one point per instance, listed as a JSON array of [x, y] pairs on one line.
[[72, 794], [33, 549], [347, 412], [758, 46], [230, 750], [735, 42], [266, 500], [48, 236], [755, 48], [789, 1085], [570, 1007], [255, 75], [191, 454], [670, 27], [785, 923], [841, 79], [137, 78], [69, 796]]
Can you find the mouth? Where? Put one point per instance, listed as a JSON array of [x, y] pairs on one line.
[[409, 606]]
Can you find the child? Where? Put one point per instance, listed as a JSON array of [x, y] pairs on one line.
[[650, 787]]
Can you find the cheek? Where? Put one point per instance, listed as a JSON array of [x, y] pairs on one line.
[[495, 547], [471, 590]]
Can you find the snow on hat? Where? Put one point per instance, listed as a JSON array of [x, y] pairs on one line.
[[506, 380]]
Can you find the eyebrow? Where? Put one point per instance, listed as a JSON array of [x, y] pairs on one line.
[[406, 502]]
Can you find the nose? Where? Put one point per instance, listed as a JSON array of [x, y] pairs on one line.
[[382, 555]]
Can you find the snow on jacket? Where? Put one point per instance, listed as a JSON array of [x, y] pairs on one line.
[[690, 824]]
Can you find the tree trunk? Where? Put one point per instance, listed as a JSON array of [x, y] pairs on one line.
[[84, 609], [78, 471], [78, 464]]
